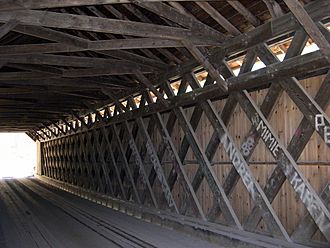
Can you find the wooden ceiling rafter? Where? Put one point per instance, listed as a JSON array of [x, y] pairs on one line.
[[84, 46]]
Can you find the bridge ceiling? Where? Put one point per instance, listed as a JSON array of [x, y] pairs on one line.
[[60, 59]]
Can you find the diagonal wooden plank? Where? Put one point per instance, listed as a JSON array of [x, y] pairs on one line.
[[101, 149], [241, 166], [250, 141], [214, 142], [286, 162], [226, 114], [138, 162], [157, 166], [310, 27], [114, 163], [248, 15], [307, 227], [98, 24], [208, 8], [169, 127], [184, 146], [300, 97], [43, 4], [172, 14], [168, 145], [126, 165], [295, 148], [210, 176], [207, 65]]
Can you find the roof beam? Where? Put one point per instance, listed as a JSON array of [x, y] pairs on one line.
[[78, 42], [103, 25], [73, 73], [208, 8], [6, 5], [274, 8], [244, 12], [317, 10], [53, 35], [104, 45], [74, 61], [174, 15]]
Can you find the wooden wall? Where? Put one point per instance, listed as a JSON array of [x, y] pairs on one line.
[[71, 156], [284, 120]]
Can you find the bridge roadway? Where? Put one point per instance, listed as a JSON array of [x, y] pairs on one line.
[[33, 214]]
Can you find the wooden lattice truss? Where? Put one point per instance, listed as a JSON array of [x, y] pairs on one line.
[[119, 150]]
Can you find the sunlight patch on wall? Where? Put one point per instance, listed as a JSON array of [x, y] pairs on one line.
[[17, 155]]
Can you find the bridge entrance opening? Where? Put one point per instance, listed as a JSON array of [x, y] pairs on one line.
[[17, 155]]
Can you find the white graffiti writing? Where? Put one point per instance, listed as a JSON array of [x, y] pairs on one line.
[[268, 138], [137, 160], [310, 202], [159, 172], [239, 164], [320, 123]]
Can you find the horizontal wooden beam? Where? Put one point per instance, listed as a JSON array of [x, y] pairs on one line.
[[71, 73], [310, 27], [51, 34], [174, 15], [73, 61], [256, 79], [103, 25], [104, 45], [297, 66], [45, 4], [317, 10]]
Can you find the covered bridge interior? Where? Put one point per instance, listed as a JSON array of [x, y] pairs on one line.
[[206, 118]]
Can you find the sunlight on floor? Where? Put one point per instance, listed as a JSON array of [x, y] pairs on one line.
[[17, 155]]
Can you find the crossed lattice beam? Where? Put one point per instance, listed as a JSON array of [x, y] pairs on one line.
[[117, 153]]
